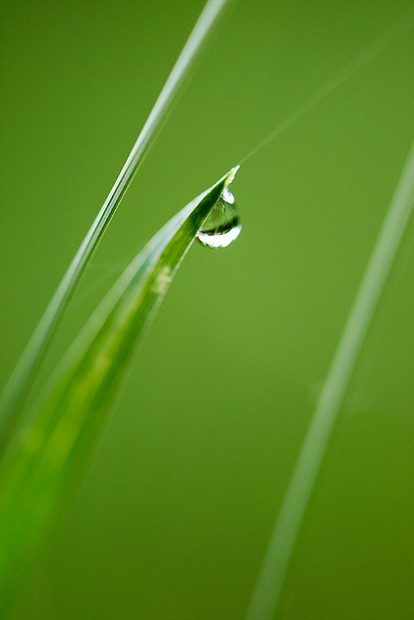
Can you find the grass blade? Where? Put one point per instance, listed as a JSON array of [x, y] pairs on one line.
[[284, 535], [20, 381], [52, 444]]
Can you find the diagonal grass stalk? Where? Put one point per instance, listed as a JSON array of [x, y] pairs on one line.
[[400, 27], [275, 564], [21, 379], [53, 444]]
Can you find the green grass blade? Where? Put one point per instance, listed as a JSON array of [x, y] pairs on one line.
[[284, 535], [51, 445], [19, 383]]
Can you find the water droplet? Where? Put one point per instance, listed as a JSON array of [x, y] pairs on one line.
[[223, 224]]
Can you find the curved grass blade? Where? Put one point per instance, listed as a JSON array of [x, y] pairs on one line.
[[275, 563], [13, 397], [52, 444]]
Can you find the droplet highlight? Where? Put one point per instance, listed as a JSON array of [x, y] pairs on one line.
[[222, 226]]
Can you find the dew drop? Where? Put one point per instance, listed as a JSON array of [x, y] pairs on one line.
[[222, 226]]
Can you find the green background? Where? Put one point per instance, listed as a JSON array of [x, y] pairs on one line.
[[178, 505]]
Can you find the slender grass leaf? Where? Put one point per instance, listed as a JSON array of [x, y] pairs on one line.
[[51, 445], [282, 541], [13, 397]]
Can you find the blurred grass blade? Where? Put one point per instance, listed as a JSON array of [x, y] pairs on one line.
[[53, 443], [270, 581], [19, 383]]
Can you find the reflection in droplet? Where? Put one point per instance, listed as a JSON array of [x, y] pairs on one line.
[[223, 224]]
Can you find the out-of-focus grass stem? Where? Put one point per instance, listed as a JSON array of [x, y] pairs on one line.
[[273, 570]]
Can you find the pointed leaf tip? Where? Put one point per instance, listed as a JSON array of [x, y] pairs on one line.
[[231, 174]]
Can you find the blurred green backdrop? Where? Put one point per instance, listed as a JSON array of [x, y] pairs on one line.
[[176, 511]]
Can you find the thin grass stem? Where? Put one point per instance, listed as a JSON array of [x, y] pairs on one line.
[[275, 564], [20, 381], [393, 33]]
